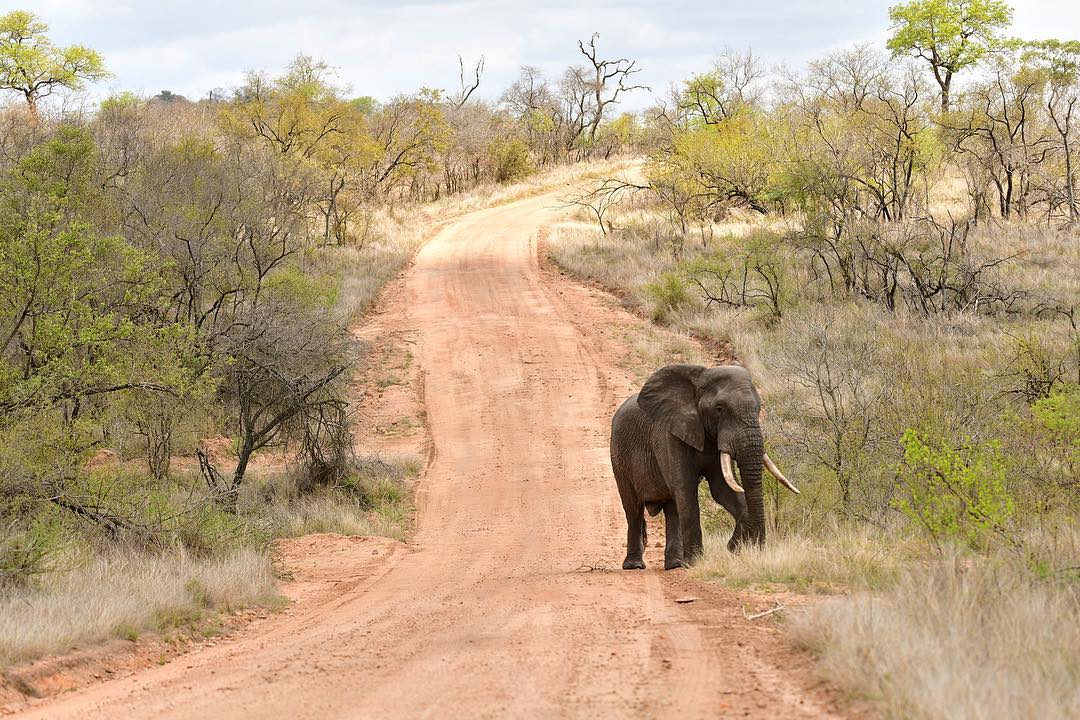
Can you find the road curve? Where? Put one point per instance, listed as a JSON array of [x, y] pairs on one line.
[[490, 613]]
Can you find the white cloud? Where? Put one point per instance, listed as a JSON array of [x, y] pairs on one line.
[[385, 48]]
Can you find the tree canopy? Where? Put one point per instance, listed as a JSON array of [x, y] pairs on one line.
[[948, 34], [32, 65]]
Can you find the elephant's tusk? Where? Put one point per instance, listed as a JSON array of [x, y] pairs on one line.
[[729, 476], [771, 467]]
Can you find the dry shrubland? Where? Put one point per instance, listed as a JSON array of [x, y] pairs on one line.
[[891, 253], [903, 284], [936, 453], [124, 594], [181, 282]]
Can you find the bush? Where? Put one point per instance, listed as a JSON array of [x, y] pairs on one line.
[[956, 493], [668, 293], [510, 158], [1059, 415], [27, 549]]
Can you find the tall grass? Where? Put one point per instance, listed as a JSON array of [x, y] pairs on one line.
[[123, 593], [846, 558], [958, 639]]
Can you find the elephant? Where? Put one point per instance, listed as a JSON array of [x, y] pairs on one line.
[[689, 422]]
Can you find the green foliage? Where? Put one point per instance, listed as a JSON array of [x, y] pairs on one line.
[[78, 307], [668, 293], [733, 158], [33, 66], [956, 493], [948, 34], [1059, 58], [510, 157], [27, 545], [1059, 415], [703, 97], [366, 104]]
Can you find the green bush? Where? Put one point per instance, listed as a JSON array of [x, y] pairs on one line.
[[668, 293], [956, 493], [27, 549], [510, 158], [1059, 416]]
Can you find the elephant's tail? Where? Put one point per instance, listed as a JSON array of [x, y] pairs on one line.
[[654, 508]]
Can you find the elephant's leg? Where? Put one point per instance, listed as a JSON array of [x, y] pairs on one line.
[[673, 552], [686, 501], [635, 535], [733, 502]]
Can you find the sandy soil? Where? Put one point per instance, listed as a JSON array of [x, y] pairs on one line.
[[507, 602]]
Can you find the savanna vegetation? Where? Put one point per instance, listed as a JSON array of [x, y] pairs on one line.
[[889, 239], [178, 280]]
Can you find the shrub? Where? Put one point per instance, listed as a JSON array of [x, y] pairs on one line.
[[956, 493], [1059, 415], [668, 293], [510, 158]]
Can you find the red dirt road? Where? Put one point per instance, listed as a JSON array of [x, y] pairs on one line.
[[491, 611]]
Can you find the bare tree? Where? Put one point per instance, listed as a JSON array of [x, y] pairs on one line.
[[598, 200], [467, 88], [609, 79]]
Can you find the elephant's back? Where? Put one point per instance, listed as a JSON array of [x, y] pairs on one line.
[[629, 430], [628, 418], [632, 457]]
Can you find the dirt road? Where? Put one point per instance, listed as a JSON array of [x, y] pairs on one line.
[[492, 610]]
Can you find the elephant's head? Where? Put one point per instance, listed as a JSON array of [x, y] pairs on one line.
[[716, 409]]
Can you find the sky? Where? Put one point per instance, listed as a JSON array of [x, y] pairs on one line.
[[385, 48]]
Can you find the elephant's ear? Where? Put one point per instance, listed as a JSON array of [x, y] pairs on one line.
[[669, 396]]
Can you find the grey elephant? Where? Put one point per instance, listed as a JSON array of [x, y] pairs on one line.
[[689, 422]]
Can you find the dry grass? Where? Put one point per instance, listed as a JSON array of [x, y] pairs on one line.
[[375, 501], [844, 558], [339, 512], [958, 640], [985, 637], [123, 594]]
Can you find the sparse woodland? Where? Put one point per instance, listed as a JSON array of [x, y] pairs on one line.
[[896, 258], [888, 238], [177, 282]]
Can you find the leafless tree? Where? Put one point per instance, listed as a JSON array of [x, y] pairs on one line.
[[601, 198], [467, 88], [605, 80]]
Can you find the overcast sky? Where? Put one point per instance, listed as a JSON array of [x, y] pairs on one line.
[[386, 48]]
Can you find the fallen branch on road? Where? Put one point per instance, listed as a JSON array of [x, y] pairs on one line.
[[755, 616]]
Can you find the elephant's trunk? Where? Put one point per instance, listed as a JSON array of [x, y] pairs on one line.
[[749, 455]]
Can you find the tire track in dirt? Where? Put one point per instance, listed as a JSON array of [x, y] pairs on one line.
[[490, 613]]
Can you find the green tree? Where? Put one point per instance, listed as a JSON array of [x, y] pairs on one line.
[[32, 65], [949, 34], [1060, 62]]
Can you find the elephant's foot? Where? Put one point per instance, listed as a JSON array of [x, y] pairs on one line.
[[633, 564], [670, 563]]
